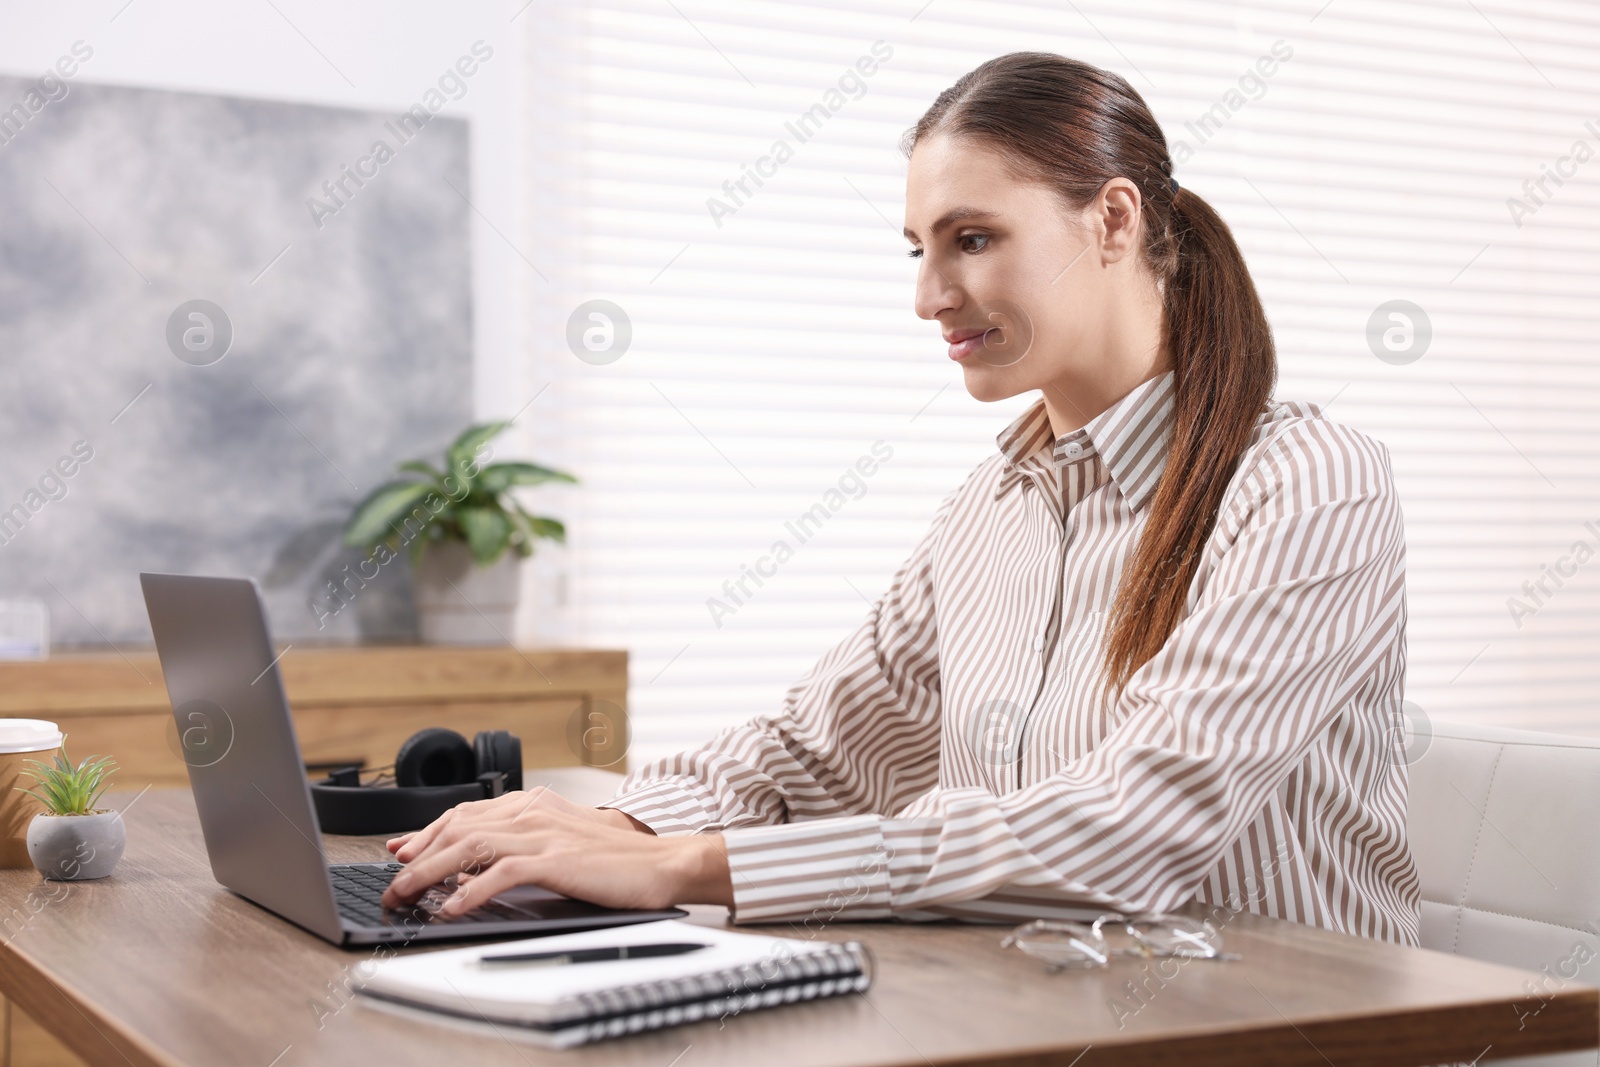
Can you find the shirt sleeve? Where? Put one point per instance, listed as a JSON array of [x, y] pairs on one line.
[[857, 735], [1302, 600]]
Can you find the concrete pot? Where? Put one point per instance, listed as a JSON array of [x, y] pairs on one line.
[[72, 848], [460, 603]]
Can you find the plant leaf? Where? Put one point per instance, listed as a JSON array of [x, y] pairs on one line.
[[541, 526], [67, 790], [374, 518], [464, 448], [488, 532], [422, 467], [498, 477], [49, 804], [551, 529]]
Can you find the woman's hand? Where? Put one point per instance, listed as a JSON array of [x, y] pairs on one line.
[[538, 837]]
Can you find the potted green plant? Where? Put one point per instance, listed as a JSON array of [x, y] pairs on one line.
[[465, 532], [72, 839]]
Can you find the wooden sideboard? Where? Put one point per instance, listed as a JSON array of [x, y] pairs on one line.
[[351, 705]]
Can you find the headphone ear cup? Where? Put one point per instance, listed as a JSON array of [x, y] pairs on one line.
[[434, 757], [511, 762], [482, 751], [499, 751]]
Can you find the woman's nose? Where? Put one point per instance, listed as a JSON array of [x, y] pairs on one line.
[[935, 293]]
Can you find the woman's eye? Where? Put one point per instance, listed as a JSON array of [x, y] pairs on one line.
[[966, 237], [915, 253]]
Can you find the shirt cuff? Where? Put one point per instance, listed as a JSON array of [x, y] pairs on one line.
[[818, 871], [677, 805]]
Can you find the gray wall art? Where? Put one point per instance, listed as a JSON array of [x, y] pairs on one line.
[[222, 322]]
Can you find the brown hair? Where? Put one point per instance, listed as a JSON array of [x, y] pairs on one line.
[[1074, 127]]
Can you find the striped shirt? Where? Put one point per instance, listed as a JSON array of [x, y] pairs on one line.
[[953, 757]]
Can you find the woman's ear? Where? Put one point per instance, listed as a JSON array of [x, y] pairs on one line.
[[1116, 211]]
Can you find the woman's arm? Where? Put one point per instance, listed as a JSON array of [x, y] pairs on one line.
[[1205, 731], [859, 733]]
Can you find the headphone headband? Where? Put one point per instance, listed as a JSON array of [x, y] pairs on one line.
[[434, 771], [390, 810]]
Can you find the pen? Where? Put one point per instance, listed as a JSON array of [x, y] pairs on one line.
[[595, 955]]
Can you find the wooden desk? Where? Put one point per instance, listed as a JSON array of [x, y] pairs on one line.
[[158, 965]]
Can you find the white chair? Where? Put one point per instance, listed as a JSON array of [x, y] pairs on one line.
[[1505, 829]]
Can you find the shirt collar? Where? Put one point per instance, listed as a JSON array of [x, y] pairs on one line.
[[1130, 437]]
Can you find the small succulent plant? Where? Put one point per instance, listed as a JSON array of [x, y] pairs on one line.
[[67, 790]]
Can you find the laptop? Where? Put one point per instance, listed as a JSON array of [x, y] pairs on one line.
[[254, 798]]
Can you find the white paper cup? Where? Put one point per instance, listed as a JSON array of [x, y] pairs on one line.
[[21, 740]]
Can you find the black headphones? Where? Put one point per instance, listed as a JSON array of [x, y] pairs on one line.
[[433, 772]]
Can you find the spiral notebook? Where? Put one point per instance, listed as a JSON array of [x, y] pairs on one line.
[[571, 1004]]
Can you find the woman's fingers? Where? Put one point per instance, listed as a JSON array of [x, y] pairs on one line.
[[573, 856], [518, 808], [501, 810], [475, 837], [476, 890], [418, 840], [394, 844], [472, 853]]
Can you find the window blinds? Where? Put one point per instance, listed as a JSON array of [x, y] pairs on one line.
[[1435, 155]]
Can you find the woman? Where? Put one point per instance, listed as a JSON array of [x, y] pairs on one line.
[[1151, 651]]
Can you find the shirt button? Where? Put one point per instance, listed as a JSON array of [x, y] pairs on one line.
[[1038, 643], [1073, 449]]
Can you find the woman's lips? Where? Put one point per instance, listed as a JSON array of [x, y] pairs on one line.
[[971, 341]]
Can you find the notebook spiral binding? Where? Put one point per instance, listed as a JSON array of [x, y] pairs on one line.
[[843, 967]]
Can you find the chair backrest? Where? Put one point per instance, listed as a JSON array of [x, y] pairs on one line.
[[1505, 830]]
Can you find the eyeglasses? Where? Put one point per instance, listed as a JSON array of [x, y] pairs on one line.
[[1061, 944]]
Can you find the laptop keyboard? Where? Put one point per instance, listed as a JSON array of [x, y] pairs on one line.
[[358, 891], [358, 888]]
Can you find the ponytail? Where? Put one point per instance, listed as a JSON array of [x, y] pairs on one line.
[[1224, 370]]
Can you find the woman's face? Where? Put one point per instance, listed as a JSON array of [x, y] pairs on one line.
[[1021, 286]]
